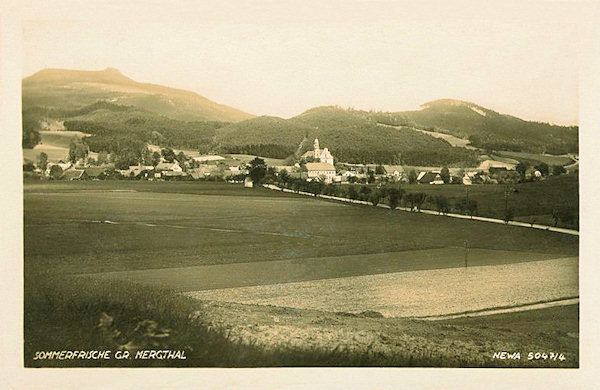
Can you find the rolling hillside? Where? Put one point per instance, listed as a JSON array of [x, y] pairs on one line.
[[352, 136], [72, 89], [488, 129], [122, 114]]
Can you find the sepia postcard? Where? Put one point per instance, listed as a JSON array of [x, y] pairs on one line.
[[303, 190]]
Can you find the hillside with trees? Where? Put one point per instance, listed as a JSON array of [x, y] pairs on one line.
[[351, 136], [121, 114], [487, 129]]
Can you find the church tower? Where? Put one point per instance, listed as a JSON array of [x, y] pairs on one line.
[[317, 150]]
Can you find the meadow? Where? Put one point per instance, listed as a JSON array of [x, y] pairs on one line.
[[215, 223], [146, 241], [533, 201]]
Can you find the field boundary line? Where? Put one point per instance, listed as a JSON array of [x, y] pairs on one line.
[[504, 309], [431, 212]]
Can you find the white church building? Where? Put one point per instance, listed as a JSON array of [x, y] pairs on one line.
[[322, 165], [318, 154]]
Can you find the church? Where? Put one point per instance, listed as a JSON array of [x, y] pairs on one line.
[[319, 155]]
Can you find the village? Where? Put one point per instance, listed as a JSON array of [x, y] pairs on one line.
[[317, 164]]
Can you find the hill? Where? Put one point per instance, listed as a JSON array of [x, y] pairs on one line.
[[488, 129], [73, 89], [351, 135]]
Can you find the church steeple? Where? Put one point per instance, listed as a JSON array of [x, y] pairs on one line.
[[317, 150]]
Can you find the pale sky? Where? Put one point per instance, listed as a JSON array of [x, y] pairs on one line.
[[283, 57]]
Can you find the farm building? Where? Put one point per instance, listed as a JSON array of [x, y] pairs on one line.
[[493, 164], [74, 174], [429, 178], [168, 166], [96, 172], [163, 167], [204, 171], [248, 183]]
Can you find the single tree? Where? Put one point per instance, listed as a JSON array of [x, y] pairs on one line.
[[42, 161], [56, 172], [445, 175], [412, 176], [155, 159], [521, 168], [168, 154], [375, 197], [543, 168], [370, 176], [257, 171], [181, 158]]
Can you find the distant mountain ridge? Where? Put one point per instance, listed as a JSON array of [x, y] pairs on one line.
[[72, 89], [489, 129], [113, 108]]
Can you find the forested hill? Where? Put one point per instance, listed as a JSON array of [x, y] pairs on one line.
[[120, 129], [488, 129], [72, 89], [351, 135]]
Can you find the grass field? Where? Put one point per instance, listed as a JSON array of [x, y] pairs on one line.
[[54, 153], [537, 158], [55, 144], [150, 232], [533, 201], [65, 232]]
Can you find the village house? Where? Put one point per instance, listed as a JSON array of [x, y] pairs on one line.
[[395, 172], [163, 167], [134, 171], [204, 171]]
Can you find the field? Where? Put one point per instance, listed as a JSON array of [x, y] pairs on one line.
[[140, 243], [206, 223], [416, 293], [54, 153], [452, 140], [246, 158], [55, 144], [538, 157]]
